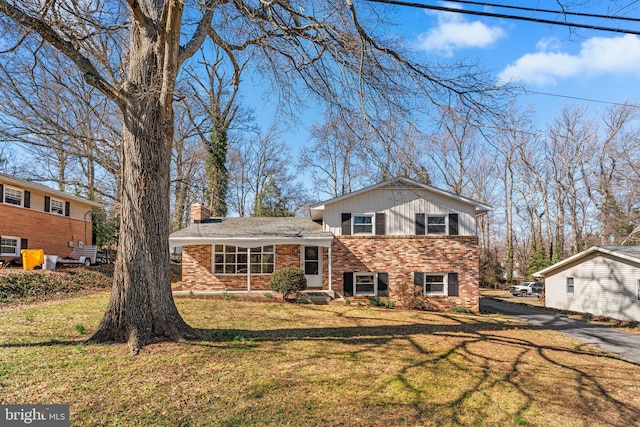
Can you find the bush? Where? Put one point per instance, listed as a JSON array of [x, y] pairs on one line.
[[287, 281]]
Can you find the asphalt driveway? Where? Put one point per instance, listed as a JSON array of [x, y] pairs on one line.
[[621, 343]]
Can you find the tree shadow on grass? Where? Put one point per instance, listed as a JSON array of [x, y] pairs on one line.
[[526, 358], [469, 355]]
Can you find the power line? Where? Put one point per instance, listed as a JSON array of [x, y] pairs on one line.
[[506, 16], [558, 12], [577, 98]]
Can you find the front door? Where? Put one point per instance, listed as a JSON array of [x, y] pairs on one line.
[[311, 263]]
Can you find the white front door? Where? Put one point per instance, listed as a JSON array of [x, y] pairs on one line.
[[311, 263]]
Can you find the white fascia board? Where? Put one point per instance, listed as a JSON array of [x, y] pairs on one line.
[[544, 272], [250, 242], [479, 207], [32, 186]]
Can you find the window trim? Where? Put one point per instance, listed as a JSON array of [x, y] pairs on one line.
[[445, 225], [4, 195], [638, 289], [17, 252], [573, 285], [248, 252], [375, 283], [372, 225], [62, 203], [445, 285]]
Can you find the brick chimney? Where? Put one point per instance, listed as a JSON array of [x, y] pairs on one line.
[[199, 213]]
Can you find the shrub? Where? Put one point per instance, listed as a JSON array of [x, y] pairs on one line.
[[227, 296], [287, 281]]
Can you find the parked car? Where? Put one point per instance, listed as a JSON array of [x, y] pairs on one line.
[[527, 288]]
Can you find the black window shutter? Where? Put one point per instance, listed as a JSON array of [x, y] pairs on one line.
[[27, 199], [347, 279], [453, 224], [346, 224], [47, 203], [1, 193], [453, 284], [383, 284], [419, 224], [381, 224], [67, 208], [418, 279], [24, 244]]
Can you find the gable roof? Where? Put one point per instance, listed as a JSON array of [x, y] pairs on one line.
[[253, 232], [401, 182], [44, 189], [629, 253]]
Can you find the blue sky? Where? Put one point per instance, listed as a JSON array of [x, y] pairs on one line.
[[552, 59], [542, 58]]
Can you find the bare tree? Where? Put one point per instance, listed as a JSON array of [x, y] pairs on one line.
[[453, 150], [214, 104], [602, 174], [335, 161], [327, 47]]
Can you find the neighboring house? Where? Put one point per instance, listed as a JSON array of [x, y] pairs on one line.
[[602, 280], [33, 216], [399, 239]]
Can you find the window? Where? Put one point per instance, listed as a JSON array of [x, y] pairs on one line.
[[436, 224], [435, 284], [9, 246], [57, 207], [363, 224], [237, 260], [366, 284], [13, 196], [569, 285], [638, 289]]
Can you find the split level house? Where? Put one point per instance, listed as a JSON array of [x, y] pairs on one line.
[[398, 239], [33, 216]]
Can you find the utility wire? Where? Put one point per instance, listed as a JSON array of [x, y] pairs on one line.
[[559, 12], [577, 98], [505, 16]]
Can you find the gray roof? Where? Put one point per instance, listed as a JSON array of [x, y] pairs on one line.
[[630, 253], [257, 229]]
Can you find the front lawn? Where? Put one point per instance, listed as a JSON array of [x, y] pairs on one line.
[[270, 363]]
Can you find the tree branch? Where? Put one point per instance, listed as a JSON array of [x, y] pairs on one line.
[[90, 73], [192, 46]]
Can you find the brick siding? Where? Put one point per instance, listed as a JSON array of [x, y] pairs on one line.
[[44, 230], [400, 257], [197, 270]]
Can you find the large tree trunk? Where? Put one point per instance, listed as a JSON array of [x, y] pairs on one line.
[[141, 309]]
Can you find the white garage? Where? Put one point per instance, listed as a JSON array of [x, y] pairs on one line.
[[602, 280]]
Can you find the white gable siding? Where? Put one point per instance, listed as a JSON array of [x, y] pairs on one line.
[[603, 286], [400, 207]]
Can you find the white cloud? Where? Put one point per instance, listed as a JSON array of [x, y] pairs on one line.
[[598, 56], [453, 33]]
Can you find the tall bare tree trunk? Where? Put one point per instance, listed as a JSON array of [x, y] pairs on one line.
[[141, 309]]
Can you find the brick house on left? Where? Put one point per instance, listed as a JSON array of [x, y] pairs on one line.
[[33, 216], [401, 239]]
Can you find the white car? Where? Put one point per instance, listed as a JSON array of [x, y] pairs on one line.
[[527, 288]]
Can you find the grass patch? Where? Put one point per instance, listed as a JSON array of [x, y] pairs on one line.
[[286, 364]]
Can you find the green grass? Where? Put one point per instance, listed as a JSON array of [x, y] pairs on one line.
[[271, 363]]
